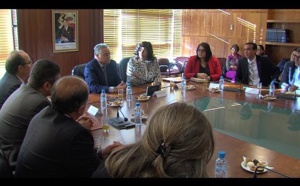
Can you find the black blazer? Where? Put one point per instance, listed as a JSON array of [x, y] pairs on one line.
[[267, 71], [286, 77], [56, 146], [95, 79]]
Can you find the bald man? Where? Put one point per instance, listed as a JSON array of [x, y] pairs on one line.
[[58, 142], [18, 66]]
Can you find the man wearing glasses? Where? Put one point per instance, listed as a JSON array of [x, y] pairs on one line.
[[290, 80], [18, 66], [102, 72]]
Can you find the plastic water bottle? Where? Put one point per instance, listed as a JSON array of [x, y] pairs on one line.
[[220, 166], [128, 92], [137, 114], [221, 83], [103, 100], [272, 89], [183, 84]]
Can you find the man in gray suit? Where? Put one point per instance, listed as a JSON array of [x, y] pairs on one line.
[[58, 142], [18, 66], [23, 105]]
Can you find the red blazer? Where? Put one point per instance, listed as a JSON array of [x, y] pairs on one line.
[[193, 66]]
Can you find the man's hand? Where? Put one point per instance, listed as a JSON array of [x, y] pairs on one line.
[[122, 85], [85, 121], [292, 88]]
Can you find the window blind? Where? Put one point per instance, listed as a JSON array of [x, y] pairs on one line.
[[6, 38], [125, 28]]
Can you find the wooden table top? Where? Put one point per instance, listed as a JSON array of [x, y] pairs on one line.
[[235, 149]]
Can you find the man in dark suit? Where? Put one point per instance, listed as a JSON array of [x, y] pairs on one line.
[[58, 142], [102, 72], [66, 33], [254, 69], [290, 78], [18, 66], [23, 104]]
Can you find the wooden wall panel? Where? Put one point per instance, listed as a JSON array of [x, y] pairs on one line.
[[221, 29], [35, 36]]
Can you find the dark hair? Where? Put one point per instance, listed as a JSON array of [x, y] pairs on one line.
[[13, 61], [43, 71], [236, 47], [206, 48], [262, 48], [68, 94], [254, 46], [148, 46]]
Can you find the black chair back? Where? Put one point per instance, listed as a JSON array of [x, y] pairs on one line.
[[78, 70], [123, 68]]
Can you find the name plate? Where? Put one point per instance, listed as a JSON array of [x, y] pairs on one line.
[[92, 110], [252, 90], [213, 85], [179, 85], [160, 93]]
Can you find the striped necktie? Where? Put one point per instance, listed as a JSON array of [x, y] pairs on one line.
[[250, 74]]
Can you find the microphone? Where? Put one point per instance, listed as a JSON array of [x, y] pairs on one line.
[[125, 119], [119, 122]]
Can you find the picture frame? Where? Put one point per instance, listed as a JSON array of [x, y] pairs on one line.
[[65, 30]]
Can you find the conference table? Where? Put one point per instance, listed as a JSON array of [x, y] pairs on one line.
[[235, 132]]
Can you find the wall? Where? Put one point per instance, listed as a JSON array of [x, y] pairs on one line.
[[35, 36], [221, 29]]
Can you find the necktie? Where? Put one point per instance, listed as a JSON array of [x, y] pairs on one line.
[[250, 74], [105, 75]]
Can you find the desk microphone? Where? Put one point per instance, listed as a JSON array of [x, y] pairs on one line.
[[119, 122], [125, 119]]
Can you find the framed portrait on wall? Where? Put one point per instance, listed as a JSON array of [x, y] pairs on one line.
[[65, 30]]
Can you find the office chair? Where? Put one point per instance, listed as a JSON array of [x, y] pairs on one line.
[[167, 69], [5, 171], [78, 70], [123, 68]]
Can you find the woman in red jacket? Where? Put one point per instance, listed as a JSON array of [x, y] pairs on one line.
[[203, 65]]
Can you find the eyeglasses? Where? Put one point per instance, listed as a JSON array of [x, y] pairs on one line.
[[199, 50], [296, 57]]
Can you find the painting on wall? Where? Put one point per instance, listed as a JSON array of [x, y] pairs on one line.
[[65, 30]]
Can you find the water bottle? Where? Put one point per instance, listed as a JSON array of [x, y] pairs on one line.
[[103, 100], [128, 92], [221, 83], [272, 89], [183, 84], [137, 114], [220, 166]]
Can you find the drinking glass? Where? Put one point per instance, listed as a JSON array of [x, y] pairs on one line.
[[172, 84], [259, 86], [120, 94]]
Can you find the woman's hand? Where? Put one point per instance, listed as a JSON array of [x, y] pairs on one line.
[[202, 75]]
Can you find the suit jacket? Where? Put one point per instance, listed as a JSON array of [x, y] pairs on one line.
[[69, 34], [193, 65], [267, 71], [8, 84], [55, 145], [95, 78], [286, 77], [15, 116]]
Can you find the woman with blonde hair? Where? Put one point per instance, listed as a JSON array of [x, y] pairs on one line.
[[178, 142]]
